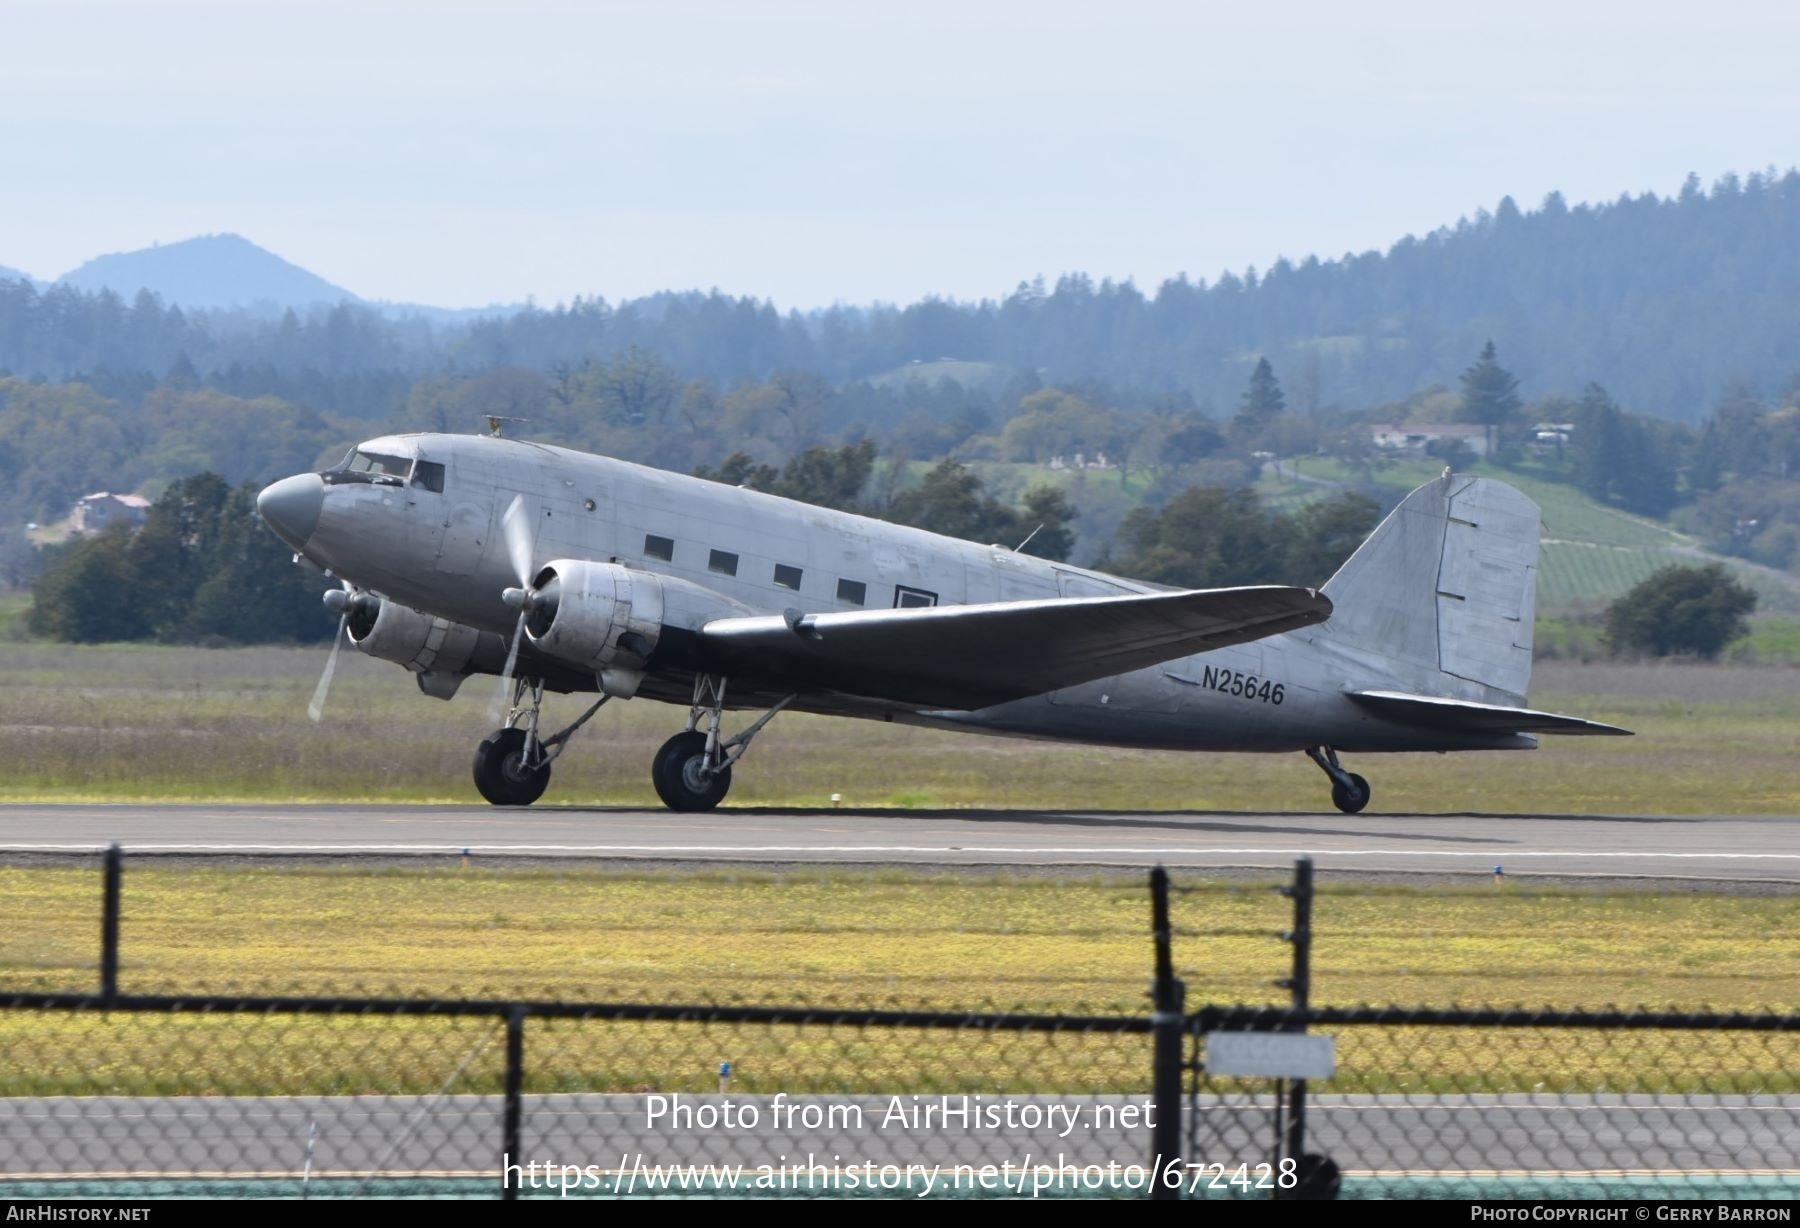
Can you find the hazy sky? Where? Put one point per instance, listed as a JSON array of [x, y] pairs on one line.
[[464, 153]]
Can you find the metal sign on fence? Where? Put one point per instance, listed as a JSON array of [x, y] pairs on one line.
[[1270, 1055]]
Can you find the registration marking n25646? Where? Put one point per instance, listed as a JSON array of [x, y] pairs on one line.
[[1244, 686]]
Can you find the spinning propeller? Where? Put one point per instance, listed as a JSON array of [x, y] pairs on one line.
[[516, 526], [342, 600]]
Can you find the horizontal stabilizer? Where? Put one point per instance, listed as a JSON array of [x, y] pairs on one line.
[[975, 656], [1465, 715]]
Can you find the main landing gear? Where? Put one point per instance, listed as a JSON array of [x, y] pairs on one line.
[[692, 771], [1349, 792], [512, 764]]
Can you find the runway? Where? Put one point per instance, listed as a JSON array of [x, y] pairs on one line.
[[1732, 848]]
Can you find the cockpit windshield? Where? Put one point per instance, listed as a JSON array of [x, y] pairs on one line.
[[376, 463], [383, 469]]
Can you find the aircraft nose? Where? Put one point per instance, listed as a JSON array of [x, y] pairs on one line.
[[291, 507]]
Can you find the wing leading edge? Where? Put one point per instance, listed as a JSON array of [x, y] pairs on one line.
[[975, 656], [1463, 714]]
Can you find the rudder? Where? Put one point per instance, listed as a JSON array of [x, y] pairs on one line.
[[1442, 595]]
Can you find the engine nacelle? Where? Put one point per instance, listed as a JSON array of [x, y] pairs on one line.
[[435, 649], [607, 619]]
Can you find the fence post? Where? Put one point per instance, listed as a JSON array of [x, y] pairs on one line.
[[114, 867], [1166, 1022], [510, 1149], [1300, 985]]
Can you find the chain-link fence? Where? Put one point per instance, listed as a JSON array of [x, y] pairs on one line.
[[1511, 1104], [116, 1092], [1415, 1102], [395, 1096]]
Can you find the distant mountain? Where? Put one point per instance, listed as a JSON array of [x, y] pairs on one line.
[[211, 271], [8, 273]]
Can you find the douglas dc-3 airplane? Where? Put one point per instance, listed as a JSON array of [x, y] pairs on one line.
[[563, 571]]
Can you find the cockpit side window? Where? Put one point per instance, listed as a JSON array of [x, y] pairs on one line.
[[430, 475]]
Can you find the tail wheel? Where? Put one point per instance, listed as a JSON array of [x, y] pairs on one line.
[[679, 777], [1353, 797], [500, 772]]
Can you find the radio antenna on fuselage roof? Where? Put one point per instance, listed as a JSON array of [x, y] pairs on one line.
[[494, 421]]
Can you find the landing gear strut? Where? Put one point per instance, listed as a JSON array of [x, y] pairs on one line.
[[692, 771], [1349, 792], [512, 764]]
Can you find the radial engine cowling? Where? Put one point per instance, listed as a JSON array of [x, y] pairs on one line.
[[600, 617], [435, 649]]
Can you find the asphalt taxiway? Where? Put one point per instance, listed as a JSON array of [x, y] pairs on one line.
[[1674, 847]]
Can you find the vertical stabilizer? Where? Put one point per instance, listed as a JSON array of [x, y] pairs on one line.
[[1444, 592]]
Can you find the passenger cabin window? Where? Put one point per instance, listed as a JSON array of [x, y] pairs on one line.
[[909, 598], [853, 591], [787, 577], [659, 547], [430, 475], [723, 562]]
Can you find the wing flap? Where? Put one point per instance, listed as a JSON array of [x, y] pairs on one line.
[[1463, 714], [975, 656]]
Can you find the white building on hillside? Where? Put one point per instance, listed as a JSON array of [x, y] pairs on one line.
[[94, 512], [1414, 436]]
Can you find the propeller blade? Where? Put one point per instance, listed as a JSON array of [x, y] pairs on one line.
[[503, 700], [316, 709], [516, 523]]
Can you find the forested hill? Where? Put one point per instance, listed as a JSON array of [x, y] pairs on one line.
[[1665, 301], [209, 271]]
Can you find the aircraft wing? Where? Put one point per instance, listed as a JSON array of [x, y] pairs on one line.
[[1463, 714], [975, 656]]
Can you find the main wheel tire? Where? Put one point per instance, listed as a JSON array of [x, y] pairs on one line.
[[500, 775], [676, 774], [1351, 800]]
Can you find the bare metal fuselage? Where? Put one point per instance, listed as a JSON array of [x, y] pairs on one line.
[[440, 553]]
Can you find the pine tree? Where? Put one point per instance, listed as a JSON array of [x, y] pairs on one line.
[[1490, 394], [1261, 402], [1597, 451]]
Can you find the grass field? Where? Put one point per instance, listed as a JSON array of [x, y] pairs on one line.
[[841, 939], [986, 376], [13, 607], [126, 723], [1569, 515], [1773, 642], [882, 938]]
